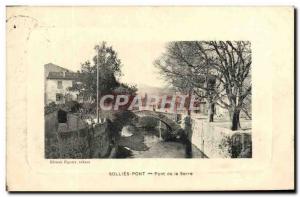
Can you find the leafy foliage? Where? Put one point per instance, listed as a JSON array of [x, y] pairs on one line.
[[51, 107], [109, 66]]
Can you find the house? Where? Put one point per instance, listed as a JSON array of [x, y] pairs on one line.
[[58, 80]]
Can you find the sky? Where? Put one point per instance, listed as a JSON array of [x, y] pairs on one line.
[[67, 39], [137, 57]]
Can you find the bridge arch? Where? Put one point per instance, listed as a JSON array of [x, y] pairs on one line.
[[168, 119]]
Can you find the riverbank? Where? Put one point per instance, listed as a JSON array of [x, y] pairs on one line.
[[142, 143]]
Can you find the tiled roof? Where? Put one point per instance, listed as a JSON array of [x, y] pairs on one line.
[[62, 75], [50, 67], [53, 71]]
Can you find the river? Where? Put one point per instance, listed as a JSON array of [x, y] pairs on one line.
[[143, 143]]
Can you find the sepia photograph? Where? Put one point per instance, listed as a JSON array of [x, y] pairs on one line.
[[195, 102]]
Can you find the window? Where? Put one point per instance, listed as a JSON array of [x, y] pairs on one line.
[[59, 97], [59, 85]]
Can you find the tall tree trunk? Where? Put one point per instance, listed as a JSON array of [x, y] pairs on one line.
[[235, 124], [189, 112], [211, 112], [189, 102]]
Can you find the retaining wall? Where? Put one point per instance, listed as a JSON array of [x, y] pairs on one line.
[[75, 139], [218, 142]]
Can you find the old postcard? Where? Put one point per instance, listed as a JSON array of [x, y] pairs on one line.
[[150, 98]]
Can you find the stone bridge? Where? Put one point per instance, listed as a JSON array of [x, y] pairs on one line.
[[169, 119]]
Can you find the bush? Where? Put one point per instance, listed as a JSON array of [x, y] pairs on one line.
[[51, 107], [74, 106]]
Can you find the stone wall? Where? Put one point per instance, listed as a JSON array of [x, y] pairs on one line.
[[76, 139], [100, 143], [218, 142], [74, 144]]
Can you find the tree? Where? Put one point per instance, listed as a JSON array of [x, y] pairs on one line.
[[232, 60], [184, 68], [219, 68], [109, 71], [125, 89]]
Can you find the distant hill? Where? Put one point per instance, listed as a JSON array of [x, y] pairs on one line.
[[150, 90]]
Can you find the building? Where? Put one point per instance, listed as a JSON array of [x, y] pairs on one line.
[[58, 80]]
